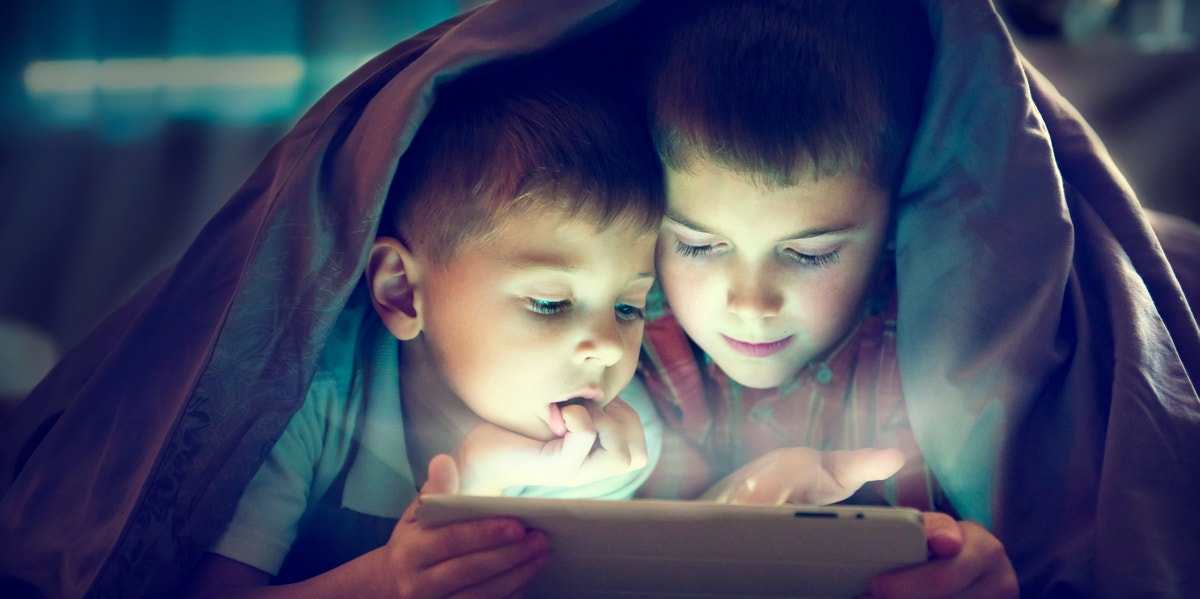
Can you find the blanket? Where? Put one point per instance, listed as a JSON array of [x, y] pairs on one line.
[[1047, 351]]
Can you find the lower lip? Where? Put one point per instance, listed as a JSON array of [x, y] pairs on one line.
[[758, 350]]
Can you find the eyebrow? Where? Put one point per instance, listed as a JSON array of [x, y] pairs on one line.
[[805, 234], [549, 265]]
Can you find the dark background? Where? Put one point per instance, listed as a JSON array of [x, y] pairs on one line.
[[102, 185]]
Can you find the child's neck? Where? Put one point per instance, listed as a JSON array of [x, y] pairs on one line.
[[435, 418]]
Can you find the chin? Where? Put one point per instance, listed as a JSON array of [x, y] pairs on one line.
[[537, 433], [755, 378]]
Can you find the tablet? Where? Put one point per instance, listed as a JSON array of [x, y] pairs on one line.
[[659, 548]]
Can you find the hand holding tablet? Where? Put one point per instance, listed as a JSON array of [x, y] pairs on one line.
[[655, 548]]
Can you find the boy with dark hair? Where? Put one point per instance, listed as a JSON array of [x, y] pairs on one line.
[[513, 268], [883, 254], [798, 118], [784, 126]]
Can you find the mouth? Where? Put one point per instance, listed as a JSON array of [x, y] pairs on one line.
[[758, 350]]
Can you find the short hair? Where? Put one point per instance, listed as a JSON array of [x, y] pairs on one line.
[[777, 89], [523, 136]]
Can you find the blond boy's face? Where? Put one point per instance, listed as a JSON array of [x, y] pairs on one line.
[[765, 280], [547, 310]]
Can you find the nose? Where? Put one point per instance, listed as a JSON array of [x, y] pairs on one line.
[[602, 344], [753, 293]]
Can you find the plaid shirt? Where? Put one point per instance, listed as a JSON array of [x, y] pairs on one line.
[[851, 399]]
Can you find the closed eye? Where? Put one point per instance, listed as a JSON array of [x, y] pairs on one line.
[[693, 251], [814, 260]]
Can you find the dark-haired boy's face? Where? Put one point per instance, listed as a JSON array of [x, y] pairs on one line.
[[548, 309], [765, 280]]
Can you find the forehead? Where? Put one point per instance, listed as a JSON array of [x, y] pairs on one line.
[[716, 198], [558, 240]]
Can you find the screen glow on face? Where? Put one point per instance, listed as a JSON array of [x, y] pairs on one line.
[[547, 310], [766, 279]]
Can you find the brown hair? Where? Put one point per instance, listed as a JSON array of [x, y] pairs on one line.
[[778, 89], [513, 137]]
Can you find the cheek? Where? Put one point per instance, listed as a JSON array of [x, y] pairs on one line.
[[826, 306], [632, 341], [478, 350], [631, 336], [688, 286], [492, 373], [855, 281], [461, 359]]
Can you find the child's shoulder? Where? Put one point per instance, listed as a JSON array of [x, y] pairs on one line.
[[356, 348], [352, 340]]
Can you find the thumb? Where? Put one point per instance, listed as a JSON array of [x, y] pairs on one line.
[[942, 534], [442, 480], [443, 476]]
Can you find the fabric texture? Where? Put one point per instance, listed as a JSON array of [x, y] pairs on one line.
[[1046, 350]]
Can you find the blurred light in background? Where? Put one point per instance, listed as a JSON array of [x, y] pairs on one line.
[[183, 74], [125, 68], [242, 89], [126, 124]]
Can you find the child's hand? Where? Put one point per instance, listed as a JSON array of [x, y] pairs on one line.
[[491, 558], [496, 557], [805, 475], [965, 561], [600, 442]]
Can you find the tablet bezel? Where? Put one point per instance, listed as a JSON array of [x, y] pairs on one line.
[[660, 548]]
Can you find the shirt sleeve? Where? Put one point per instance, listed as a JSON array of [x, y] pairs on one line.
[[268, 515], [625, 485]]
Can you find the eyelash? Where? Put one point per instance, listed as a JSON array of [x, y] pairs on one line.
[[625, 312], [546, 307], [692, 251], [817, 261], [807, 260], [630, 313]]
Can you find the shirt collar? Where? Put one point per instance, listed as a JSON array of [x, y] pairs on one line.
[[379, 481]]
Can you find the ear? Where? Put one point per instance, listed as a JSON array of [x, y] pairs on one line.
[[393, 272]]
